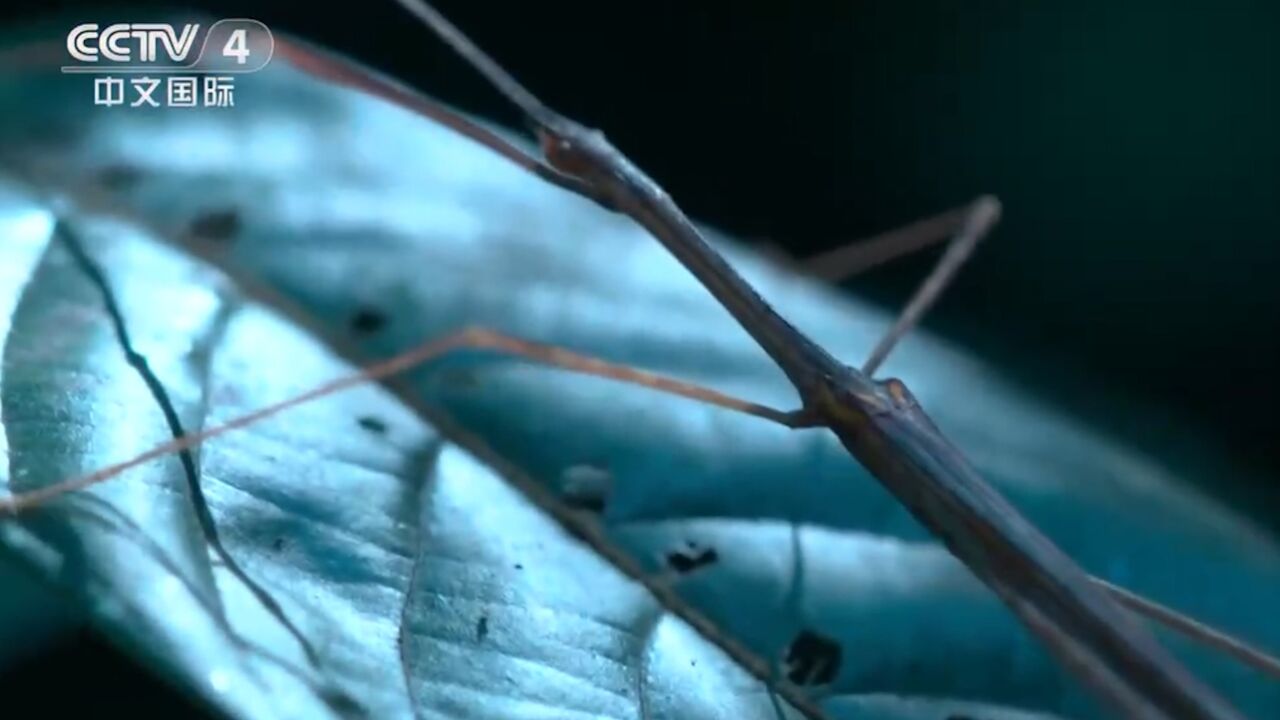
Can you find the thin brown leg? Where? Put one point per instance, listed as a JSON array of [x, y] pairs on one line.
[[982, 215], [1194, 629], [568, 360], [859, 256]]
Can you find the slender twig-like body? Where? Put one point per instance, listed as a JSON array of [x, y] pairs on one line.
[[885, 429]]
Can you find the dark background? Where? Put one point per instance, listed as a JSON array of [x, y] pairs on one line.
[[1134, 146]]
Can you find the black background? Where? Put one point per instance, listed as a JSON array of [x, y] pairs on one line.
[[1134, 146]]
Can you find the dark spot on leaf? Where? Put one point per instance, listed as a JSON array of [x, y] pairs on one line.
[[693, 663], [813, 659], [119, 176], [373, 425], [518, 566], [343, 703], [685, 562], [277, 544], [482, 628], [367, 320], [588, 502], [217, 225], [960, 717]]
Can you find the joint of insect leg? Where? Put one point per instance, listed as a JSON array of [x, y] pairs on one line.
[[576, 185], [561, 153], [805, 417], [898, 393]]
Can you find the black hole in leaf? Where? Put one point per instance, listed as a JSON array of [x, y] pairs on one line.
[[686, 562], [367, 320], [591, 502], [482, 627], [342, 703], [813, 659], [218, 225], [373, 425]]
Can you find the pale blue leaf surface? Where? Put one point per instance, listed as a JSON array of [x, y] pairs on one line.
[[350, 207], [389, 550]]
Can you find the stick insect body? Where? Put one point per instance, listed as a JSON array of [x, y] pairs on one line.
[[885, 429], [1079, 618]]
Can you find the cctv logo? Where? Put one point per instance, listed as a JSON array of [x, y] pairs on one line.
[[229, 45], [117, 42]]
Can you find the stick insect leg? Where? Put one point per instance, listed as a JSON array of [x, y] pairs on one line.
[[1194, 629], [485, 339], [981, 217], [575, 362], [471, 338], [861, 255]]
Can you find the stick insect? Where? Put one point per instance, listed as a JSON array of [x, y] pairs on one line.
[[1081, 619]]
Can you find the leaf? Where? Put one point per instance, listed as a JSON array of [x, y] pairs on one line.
[[389, 549], [384, 226]]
